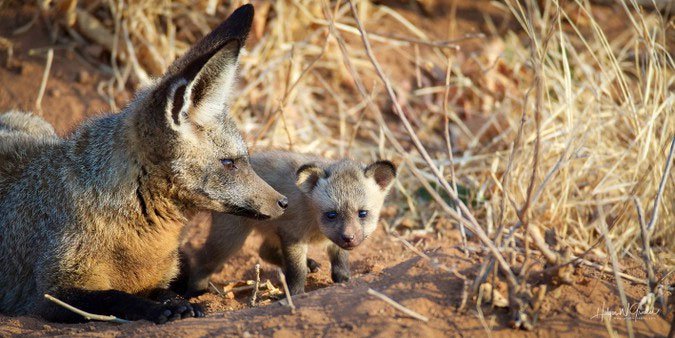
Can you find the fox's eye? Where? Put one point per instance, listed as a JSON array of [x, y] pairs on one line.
[[331, 214], [363, 213], [228, 163]]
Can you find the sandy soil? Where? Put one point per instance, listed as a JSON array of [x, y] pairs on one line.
[[382, 263]]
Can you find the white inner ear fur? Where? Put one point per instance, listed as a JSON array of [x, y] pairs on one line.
[[216, 99], [170, 100]]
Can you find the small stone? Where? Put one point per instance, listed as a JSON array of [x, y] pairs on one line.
[[578, 307], [94, 50], [556, 293], [83, 77]]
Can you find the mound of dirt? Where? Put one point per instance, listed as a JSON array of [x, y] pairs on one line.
[[384, 265]]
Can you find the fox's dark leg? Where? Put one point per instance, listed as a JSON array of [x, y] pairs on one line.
[[166, 296], [339, 263], [108, 302]]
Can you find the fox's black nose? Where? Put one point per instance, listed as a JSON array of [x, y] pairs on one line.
[[348, 238], [283, 203]]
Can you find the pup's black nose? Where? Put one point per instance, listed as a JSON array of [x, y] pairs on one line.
[[347, 238], [283, 203]]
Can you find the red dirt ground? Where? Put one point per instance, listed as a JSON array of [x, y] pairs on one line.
[[382, 263]]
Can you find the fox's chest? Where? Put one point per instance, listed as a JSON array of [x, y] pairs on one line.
[[142, 265]]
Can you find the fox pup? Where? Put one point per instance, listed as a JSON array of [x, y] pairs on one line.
[[329, 201], [95, 219]]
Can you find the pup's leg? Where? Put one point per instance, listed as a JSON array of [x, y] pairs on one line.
[[339, 263], [271, 253], [226, 237], [295, 265], [312, 265], [109, 302]]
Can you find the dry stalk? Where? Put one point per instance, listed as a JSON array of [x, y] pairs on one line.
[[45, 77], [615, 266], [86, 315], [662, 185], [398, 306], [220, 293], [256, 286], [287, 292], [474, 226], [434, 262], [448, 144]]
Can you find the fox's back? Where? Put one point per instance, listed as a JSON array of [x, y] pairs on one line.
[[23, 136], [25, 140]]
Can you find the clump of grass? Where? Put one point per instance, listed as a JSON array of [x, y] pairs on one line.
[[551, 126]]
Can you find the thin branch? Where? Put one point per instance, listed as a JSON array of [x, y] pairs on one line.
[[289, 299], [615, 267], [662, 184], [448, 144], [45, 77], [86, 315], [398, 306], [256, 285], [646, 250], [475, 227]]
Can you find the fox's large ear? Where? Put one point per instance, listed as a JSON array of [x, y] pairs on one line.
[[198, 85], [383, 172], [308, 176]]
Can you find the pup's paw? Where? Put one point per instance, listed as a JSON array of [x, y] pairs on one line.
[[340, 276], [312, 265]]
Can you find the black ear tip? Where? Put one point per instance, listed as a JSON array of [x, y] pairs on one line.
[[236, 26], [244, 12]]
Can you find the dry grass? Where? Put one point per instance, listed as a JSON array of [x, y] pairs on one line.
[[552, 125]]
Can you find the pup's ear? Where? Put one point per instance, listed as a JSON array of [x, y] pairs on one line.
[[198, 85], [383, 172], [308, 176]]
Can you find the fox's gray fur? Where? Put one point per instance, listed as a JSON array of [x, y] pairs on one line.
[[95, 218], [314, 186]]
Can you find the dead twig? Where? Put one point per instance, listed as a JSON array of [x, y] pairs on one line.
[[86, 315], [398, 306], [289, 299], [662, 184], [615, 266], [470, 219], [256, 285], [45, 77], [434, 262]]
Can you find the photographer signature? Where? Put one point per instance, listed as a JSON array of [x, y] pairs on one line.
[[633, 311]]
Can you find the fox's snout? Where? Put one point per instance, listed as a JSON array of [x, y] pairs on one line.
[[271, 204]]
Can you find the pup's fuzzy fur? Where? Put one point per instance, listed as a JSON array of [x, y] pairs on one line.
[[314, 186]]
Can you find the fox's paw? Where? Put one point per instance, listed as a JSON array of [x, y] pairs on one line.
[[312, 265], [174, 309]]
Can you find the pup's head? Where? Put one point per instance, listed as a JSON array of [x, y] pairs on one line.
[[348, 196], [188, 131]]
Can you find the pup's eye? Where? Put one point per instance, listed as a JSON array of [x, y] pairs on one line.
[[331, 214], [363, 213], [228, 163]]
